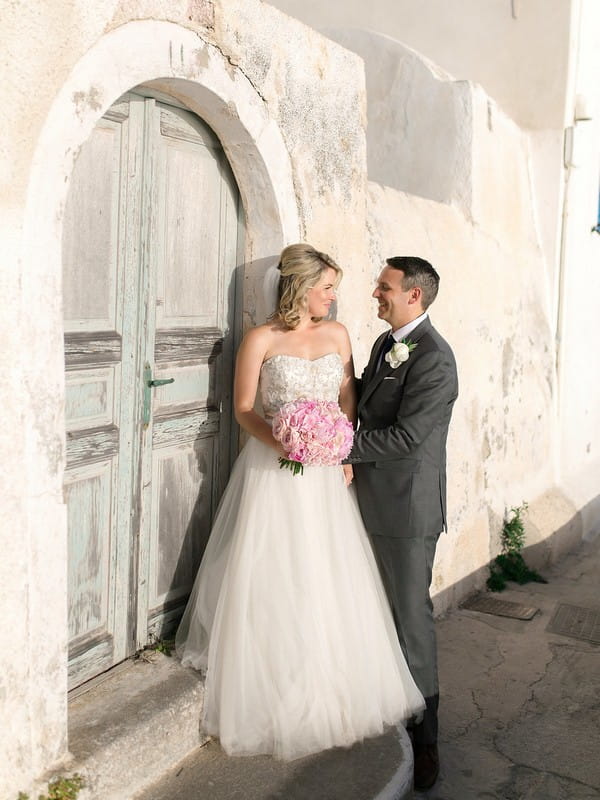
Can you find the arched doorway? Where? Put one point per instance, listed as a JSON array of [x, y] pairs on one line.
[[150, 247]]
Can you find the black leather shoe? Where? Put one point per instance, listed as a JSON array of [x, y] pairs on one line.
[[427, 765]]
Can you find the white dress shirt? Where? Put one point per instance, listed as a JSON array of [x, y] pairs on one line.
[[403, 332]]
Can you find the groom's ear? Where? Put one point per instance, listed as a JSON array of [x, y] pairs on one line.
[[415, 295]]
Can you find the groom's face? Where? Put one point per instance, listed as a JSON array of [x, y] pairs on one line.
[[395, 306]]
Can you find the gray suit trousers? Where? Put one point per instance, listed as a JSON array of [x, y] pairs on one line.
[[406, 565]]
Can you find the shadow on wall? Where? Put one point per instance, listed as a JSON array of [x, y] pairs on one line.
[[420, 119], [583, 526]]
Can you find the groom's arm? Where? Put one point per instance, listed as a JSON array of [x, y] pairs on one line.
[[429, 388]]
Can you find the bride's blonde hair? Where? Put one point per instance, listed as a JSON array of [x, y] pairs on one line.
[[301, 267]]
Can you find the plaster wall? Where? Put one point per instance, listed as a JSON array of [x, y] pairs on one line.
[[66, 63], [518, 51], [419, 120], [577, 325], [522, 54]]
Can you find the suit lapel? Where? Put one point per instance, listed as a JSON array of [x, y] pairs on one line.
[[372, 365], [375, 376]]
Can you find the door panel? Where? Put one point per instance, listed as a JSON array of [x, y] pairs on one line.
[[88, 494], [179, 530], [191, 242], [89, 398], [93, 270], [190, 340], [149, 247], [90, 246]]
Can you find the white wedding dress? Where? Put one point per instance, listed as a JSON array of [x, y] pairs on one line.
[[288, 616]]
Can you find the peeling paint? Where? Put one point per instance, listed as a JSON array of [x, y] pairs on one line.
[[507, 365], [201, 57], [90, 100], [201, 12], [486, 450]]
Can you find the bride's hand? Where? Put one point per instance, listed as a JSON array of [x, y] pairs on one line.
[[348, 473]]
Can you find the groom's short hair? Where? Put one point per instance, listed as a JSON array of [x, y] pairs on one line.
[[417, 272]]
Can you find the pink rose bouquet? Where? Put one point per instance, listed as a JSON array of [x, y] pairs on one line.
[[312, 432]]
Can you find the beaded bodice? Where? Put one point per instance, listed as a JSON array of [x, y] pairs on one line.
[[285, 378]]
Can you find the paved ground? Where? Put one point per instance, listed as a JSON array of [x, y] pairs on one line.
[[520, 716], [374, 768]]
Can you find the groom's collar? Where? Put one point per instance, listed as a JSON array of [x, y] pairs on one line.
[[403, 332]]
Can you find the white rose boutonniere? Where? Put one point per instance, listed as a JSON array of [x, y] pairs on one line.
[[400, 352]]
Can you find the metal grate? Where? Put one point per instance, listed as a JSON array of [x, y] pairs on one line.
[[577, 622], [500, 608]]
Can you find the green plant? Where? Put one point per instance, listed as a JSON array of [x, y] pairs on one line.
[[63, 788], [510, 565], [513, 530], [157, 645], [164, 646], [60, 789]]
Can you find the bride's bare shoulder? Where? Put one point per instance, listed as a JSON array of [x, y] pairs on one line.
[[336, 330], [261, 337]]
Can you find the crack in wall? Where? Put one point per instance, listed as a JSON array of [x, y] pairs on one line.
[[233, 62]]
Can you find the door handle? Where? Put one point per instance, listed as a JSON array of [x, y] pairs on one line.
[[149, 384], [160, 382]]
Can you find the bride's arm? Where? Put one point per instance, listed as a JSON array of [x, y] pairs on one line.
[[348, 387], [347, 390], [247, 372]]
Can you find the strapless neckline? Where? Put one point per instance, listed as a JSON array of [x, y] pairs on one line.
[[300, 358], [284, 377]]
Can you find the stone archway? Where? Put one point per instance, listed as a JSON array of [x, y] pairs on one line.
[[201, 77]]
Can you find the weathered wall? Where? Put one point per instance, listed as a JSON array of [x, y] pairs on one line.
[[518, 51], [524, 55], [578, 287], [419, 120], [419, 135]]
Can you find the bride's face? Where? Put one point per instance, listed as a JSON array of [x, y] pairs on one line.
[[322, 294]]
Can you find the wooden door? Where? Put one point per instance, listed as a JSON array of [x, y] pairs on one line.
[[150, 245]]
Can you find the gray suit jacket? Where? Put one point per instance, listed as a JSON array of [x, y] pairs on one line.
[[399, 451]]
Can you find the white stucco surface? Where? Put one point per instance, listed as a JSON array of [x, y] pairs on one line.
[[518, 52], [419, 120], [577, 325]]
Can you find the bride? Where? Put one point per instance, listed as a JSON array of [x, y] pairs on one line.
[[288, 617]]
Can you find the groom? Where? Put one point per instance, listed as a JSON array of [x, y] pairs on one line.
[[406, 395]]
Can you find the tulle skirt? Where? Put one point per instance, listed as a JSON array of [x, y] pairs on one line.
[[289, 620]]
